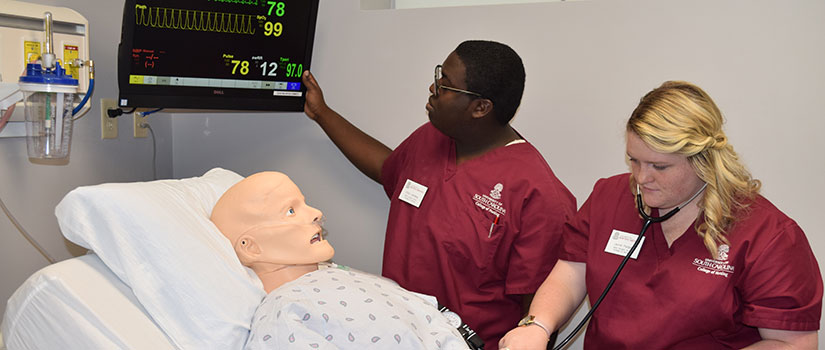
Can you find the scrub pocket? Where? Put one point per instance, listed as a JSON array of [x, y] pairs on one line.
[[471, 240]]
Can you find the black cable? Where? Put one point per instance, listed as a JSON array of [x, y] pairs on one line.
[[154, 150], [116, 112]]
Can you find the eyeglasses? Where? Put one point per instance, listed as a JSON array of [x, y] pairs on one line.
[[438, 85]]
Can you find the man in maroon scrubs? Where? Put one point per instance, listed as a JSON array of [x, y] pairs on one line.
[[727, 271], [475, 211]]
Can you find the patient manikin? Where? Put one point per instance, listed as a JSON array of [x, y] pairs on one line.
[[274, 232], [310, 303]]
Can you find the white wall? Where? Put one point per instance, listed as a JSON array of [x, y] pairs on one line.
[[587, 63], [414, 4], [31, 191]]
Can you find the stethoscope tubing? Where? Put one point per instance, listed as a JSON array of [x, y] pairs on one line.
[[575, 331], [648, 220]]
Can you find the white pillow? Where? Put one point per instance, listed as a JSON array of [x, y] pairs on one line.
[[157, 237]]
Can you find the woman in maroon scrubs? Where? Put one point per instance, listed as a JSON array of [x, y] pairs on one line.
[[728, 270]]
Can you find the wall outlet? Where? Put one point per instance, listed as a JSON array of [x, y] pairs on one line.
[[139, 130], [108, 126]]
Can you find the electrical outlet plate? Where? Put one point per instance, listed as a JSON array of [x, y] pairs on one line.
[[139, 131], [108, 126]]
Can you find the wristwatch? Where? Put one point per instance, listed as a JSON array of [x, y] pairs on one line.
[[530, 320]]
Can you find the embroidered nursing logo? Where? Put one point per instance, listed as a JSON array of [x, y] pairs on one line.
[[723, 252], [496, 192], [718, 267], [491, 202]]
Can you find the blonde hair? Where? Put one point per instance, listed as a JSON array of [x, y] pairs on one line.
[[679, 117]]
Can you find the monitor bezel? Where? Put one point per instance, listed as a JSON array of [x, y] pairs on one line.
[[135, 97]]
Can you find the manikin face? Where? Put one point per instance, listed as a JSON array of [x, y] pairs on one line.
[[450, 109], [665, 179], [267, 220]]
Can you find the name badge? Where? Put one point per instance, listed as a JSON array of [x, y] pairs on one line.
[[620, 243], [413, 193]]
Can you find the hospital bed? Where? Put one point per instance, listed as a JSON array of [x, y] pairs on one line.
[[159, 275], [79, 304]]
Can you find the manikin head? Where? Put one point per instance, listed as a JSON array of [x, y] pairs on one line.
[[271, 228]]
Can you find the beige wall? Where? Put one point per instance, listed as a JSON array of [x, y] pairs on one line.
[[31, 191], [414, 4], [587, 65]]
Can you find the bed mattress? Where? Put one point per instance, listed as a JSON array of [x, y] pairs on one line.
[[52, 310]]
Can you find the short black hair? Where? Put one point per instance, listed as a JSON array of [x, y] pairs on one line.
[[496, 72]]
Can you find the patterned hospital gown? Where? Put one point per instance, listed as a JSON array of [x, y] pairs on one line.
[[338, 308]]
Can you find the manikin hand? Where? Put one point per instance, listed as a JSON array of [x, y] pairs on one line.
[[315, 104]]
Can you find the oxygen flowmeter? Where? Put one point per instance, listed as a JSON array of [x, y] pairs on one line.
[[49, 86]]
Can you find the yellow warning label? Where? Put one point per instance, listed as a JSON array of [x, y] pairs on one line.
[[70, 53], [31, 51]]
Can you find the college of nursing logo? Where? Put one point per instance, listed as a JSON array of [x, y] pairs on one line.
[[717, 267], [491, 202], [496, 191], [723, 252]]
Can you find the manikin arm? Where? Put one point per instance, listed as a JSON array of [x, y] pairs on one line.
[[554, 303], [365, 152]]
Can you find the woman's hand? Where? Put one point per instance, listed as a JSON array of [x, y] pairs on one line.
[[524, 338]]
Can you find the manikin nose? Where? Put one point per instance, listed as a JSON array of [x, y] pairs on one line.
[[317, 215]]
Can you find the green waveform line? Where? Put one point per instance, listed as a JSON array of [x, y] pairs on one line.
[[197, 20], [243, 2]]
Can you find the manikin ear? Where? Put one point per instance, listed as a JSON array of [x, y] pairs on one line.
[[481, 107], [247, 249]]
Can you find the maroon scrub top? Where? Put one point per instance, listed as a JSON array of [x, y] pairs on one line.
[[485, 232], [680, 297]]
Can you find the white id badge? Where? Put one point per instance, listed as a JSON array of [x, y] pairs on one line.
[[620, 243], [413, 193]]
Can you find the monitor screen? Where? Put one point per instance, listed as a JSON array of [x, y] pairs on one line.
[[215, 54]]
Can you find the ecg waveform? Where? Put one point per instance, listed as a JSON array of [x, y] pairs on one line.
[[197, 20]]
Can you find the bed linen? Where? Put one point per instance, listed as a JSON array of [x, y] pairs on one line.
[[78, 304]]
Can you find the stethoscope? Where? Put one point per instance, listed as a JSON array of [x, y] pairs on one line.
[[648, 220]]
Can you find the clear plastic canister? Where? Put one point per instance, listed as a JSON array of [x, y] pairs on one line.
[[48, 97], [48, 110]]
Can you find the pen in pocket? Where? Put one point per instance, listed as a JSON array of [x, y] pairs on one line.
[[492, 226]]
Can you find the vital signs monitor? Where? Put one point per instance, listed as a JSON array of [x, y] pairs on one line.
[[215, 54]]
